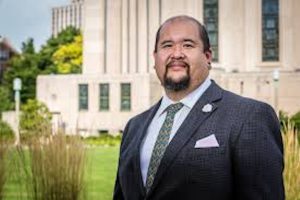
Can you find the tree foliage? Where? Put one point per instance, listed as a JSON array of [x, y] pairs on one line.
[[67, 36], [5, 99], [68, 57], [67, 46], [23, 66], [35, 119]]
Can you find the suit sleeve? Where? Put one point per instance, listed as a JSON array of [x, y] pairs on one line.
[[258, 156], [118, 193]]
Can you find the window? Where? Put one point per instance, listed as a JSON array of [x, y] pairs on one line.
[[125, 96], [83, 97], [211, 15], [270, 30], [4, 55], [103, 132], [104, 96]]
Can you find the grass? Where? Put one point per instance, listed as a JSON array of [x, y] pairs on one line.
[[101, 172], [100, 175]]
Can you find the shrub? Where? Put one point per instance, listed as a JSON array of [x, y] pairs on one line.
[[6, 132], [292, 162], [35, 120], [296, 120], [104, 140]]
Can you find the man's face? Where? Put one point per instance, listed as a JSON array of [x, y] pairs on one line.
[[180, 62]]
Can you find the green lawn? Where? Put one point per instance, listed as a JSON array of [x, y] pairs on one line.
[[100, 176]]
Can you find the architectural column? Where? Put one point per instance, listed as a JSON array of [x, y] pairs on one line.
[[153, 25], [94, 37], [113, 37], [253, 41], [125, 37], [142, 23], [133, 36], [287, 34], [231, 34]]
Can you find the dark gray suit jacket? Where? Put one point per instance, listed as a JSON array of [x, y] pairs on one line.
[[248, 164]]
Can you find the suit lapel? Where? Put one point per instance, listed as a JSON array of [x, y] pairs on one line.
[[194, 119], [141, 134]]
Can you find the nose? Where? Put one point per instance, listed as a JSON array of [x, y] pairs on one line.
[[177, 52]]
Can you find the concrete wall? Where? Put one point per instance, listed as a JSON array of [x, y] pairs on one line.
[[60, 93]]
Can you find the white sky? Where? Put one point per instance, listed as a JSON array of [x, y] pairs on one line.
[[22, 19]]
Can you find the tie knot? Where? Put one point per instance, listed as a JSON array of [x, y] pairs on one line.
[[174, 108]]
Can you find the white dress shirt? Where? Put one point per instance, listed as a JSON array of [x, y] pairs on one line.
[[153, 130]]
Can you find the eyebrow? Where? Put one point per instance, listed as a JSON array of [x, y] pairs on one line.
[[165, 42], [189, 40], [184, 40]]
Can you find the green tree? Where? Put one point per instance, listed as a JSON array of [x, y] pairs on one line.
[[29, 64], [68, 57], [46, 64], [23, 66], [5, 104], [35, 119]]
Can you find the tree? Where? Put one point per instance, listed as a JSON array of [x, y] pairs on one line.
[[68, 57], [23, 66], [46, 64], [5, 99], [29, 64]]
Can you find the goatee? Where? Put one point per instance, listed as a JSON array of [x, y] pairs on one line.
[[176, 86], [180, 85]]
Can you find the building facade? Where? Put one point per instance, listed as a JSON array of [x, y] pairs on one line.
[[69, 15], [255, 47], [6, 52]]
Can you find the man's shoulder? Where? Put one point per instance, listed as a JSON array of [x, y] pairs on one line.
[[243, 101]]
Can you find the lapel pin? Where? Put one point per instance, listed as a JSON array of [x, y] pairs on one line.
[[207, 108]]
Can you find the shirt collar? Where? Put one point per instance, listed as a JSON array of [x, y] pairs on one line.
[[188, 101]]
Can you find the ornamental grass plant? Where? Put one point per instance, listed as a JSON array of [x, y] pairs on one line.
[[54, 168], [292, 162], [3, 170]]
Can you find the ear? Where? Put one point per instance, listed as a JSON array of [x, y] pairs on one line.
[[154, 57], [208, 55]]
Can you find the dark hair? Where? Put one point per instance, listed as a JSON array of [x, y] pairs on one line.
[[202, 31]]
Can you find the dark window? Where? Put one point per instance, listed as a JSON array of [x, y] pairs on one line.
[[83, 97], [104, 96], [270, 30], [125, 96], [103, 132], [211, 21]]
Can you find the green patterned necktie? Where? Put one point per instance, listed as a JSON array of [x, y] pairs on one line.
[[161, 143]]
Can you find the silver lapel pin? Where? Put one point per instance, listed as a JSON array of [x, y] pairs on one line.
[[207, 108]]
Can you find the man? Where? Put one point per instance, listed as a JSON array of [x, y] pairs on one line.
[[199, 141]]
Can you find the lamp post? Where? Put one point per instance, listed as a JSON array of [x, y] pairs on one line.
[[17, 85], [276, 86]]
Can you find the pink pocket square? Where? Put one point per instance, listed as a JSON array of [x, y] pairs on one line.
[[207, 142]]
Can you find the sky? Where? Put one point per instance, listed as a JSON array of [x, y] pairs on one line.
[[22, 19]]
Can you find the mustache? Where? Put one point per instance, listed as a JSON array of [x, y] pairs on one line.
[[171, 63]]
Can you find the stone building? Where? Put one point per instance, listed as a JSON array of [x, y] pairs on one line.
[[69, 15], [255, 44]]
